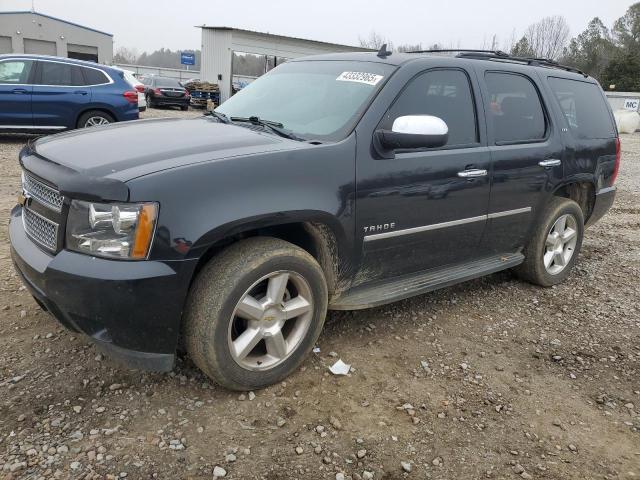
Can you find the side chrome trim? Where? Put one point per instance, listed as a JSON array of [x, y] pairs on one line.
[[425, 228], [109, 82], [437, 226], [506, 213], [32, 127]]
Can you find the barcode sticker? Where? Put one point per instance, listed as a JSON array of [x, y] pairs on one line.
[[360, 77]]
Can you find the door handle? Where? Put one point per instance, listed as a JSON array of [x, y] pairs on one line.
[[20, 91], [553, 162], [472, 173], [80, 92]]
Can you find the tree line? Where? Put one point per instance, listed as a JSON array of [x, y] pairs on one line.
[[610, 55]]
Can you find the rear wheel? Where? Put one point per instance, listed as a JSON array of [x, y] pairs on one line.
[[94, 118], [150, 103], [184, 108], [553, 250], [254, 312]]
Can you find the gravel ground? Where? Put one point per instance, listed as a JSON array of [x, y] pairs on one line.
[[490, 379]]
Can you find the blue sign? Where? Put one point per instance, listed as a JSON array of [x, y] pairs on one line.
[[187, 58]]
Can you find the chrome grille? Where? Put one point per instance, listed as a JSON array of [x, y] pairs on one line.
[[42, 230], [42, 192]]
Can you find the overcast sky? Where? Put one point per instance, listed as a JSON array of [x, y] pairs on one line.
[[152, 24]]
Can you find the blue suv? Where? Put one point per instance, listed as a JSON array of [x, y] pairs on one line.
[[41, 93]]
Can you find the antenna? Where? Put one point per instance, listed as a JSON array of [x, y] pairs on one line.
[[383, 53]]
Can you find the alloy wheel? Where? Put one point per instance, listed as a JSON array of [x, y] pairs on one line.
[[270, 320], [560, 244], [95, 122]]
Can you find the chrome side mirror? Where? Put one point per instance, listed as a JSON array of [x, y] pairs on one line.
[[414, 131]]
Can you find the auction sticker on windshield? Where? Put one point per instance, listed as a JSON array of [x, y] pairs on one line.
[[360, 77]]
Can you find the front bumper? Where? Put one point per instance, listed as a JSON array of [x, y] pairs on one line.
[[130, 310], [604, 200]]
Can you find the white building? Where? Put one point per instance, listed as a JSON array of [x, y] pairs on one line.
[[32, 32], [220, 43]]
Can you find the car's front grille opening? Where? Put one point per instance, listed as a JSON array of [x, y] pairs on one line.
[[41, 230], [42, 192]]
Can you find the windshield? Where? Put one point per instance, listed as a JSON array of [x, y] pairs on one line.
[[314, 99]]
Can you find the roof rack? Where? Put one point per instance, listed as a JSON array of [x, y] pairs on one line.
[[499, 55]]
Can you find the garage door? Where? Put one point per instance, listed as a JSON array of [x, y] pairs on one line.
[[82, 52], [39, 47], [5, 45]]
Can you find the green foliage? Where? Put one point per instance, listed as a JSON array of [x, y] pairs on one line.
[[610, 56], [623, 71], [522, 49], [592, 50]]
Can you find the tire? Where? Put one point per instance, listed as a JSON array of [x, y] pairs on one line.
[[536, 268], [184, 108], [94, 118], [150, 103], [142, 109], [212, 328]]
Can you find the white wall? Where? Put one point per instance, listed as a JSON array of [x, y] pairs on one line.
[[19, 26], [617, 99], [163, 72], [218, 45]]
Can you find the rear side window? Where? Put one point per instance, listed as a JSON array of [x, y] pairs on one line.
[[442, 93], [61, 74], [584, 108], [94, 77], [515, 109]]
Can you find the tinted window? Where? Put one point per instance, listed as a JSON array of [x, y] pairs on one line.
[[94, 77], [514, 109], [168, 82], [584, 108], [445, 94], [63, 74], [15, 71]]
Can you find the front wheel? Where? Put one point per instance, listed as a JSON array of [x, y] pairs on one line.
[[553, 250], [254, 312]]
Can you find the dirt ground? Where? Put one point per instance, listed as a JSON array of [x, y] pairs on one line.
[[494, 378]]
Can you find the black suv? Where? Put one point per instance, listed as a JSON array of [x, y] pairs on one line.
[[341, 181]]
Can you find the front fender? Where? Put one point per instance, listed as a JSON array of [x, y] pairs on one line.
[[203, 203]]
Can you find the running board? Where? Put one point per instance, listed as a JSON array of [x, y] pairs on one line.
[[399, 288]]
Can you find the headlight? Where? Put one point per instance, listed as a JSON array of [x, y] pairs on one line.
[[123, 230]]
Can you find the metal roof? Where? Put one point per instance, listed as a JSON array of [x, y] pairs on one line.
[[22, 12], [273, 35]]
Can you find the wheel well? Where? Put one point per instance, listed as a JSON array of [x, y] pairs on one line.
[[96, 109], [583, 193], [315, 238]]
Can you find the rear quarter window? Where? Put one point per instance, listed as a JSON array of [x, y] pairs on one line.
[[584, 108], [94, 77]]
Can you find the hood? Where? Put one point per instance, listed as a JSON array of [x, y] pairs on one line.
[[123, 151]]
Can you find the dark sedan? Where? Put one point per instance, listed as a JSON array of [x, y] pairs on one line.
[[164, 91]]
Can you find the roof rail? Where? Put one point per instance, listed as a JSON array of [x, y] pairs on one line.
[[461, 50], [499, 55]]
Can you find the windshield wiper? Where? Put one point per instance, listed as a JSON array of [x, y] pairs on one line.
[[221, 117], [276, 127]]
